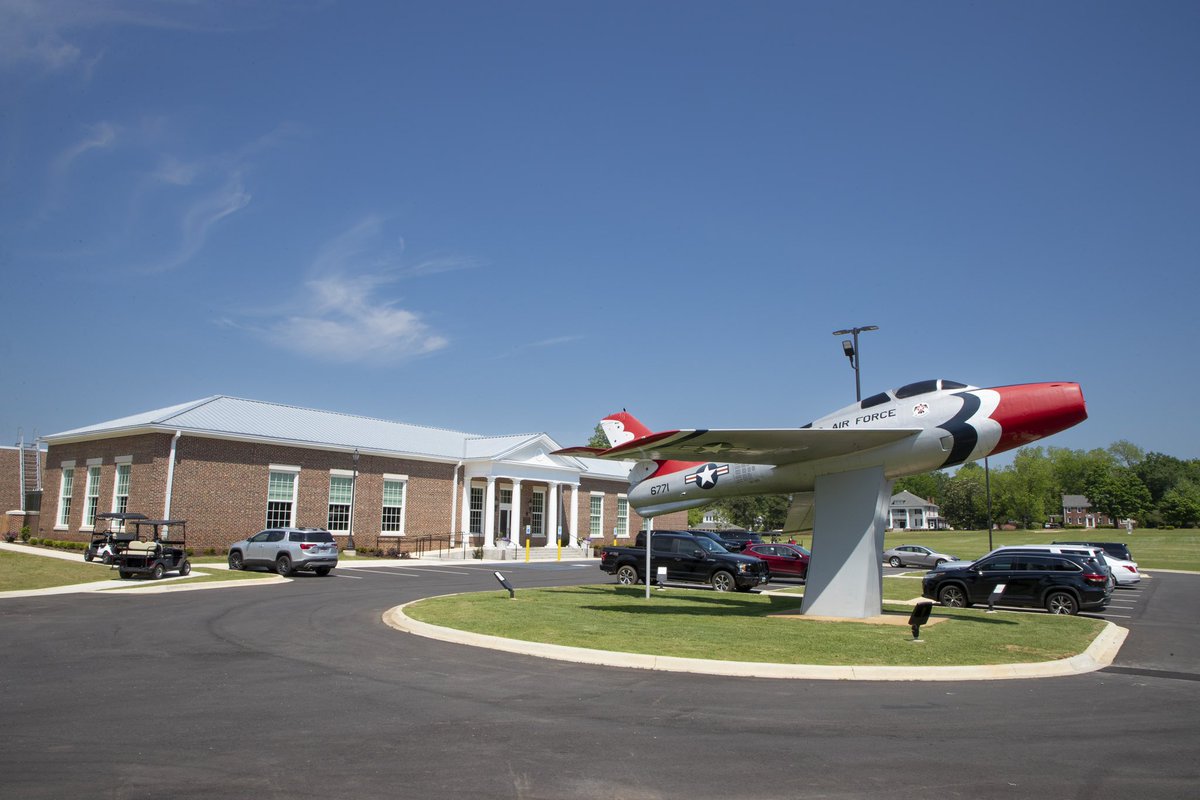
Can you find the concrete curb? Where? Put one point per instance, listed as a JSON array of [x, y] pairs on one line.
[[1098, 655]]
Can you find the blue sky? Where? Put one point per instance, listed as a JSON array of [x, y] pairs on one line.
[[518, 217]]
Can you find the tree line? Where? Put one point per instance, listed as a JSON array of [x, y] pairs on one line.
[[1121, 481]]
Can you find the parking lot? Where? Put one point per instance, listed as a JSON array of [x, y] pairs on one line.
[[299, 690]]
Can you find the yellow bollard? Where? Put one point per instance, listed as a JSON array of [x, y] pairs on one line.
[[559, 550], [527, 538]]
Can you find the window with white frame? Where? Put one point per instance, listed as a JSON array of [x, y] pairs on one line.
[[120, 503], [596, 517], [476, 517], [65, 490], [281, 499], [537, 512], [91, 496], [394, 491], [622, 516], [341, 495]]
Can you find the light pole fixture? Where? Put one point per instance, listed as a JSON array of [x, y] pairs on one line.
[[851, 350], [353, 491]]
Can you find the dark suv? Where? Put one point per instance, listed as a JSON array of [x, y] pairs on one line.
[[733, 541], [286, 550], [1059, 583]]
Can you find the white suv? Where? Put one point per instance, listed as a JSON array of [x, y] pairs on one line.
[[286, 550]]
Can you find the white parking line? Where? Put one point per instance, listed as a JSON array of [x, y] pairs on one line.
[[391, 572], [344, 575]]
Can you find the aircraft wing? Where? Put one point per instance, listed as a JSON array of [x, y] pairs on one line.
[[800, 513], [775, 446], [586, 452]]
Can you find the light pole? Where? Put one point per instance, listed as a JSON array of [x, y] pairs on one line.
[[851, 351], [353, 491]]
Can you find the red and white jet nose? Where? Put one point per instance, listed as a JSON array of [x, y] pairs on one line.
[[1029, 411]]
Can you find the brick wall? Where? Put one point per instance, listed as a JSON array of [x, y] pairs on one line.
[[220, 488], [10, 479]]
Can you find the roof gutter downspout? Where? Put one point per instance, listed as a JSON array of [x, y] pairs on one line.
[[171, 475]]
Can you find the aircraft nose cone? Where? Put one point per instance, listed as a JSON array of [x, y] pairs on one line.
[[1031, 411]]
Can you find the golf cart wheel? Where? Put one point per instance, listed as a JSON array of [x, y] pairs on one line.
[[108, 559], [87, 555], [722, 581], [158, 572], [627, 576], [895, 561], [283, 566], [124, 573], [185, 568]]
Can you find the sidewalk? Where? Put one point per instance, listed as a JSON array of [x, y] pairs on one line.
[[125, 586]]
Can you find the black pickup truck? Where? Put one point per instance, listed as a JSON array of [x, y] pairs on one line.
[[687, 558]]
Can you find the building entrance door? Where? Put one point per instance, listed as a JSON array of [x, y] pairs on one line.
[[503, 518]]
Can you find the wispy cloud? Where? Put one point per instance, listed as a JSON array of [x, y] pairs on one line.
[[200, 216], [52, 35], [541, 344], [350, 311], [98, 137]]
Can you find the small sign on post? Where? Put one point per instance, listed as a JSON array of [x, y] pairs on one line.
[[661, 577], [919, 617], [994, 597], [504, 582]]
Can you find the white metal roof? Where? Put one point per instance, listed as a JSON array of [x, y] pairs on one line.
[[236, 418]]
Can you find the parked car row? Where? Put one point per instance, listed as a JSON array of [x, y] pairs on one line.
[[1063, 578], [701, 557]]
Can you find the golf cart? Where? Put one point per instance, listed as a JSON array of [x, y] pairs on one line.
[[154, 556], [109, 535]]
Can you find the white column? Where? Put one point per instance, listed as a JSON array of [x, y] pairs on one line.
[[552, 515], [489, 513], [575, 515], [514, 516], [465, 519]]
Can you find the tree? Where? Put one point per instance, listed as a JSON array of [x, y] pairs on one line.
[[1025, 492], [1119, 493], [927, 485], [1126, 453], [756, 512], [1180, 505], [1073, 468], [964, 500], [599, 438], [1160, 473]]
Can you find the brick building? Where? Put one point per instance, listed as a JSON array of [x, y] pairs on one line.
[[20, 486], [1078, 512], [232, 467]]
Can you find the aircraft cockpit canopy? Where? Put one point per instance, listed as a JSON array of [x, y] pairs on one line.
[[911, 390]]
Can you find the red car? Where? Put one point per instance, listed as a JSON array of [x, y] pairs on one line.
[[784, 560]]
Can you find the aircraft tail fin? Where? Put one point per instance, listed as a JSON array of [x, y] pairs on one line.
[[623, 427]]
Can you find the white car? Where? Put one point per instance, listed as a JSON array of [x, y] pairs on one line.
[[1126, 572]]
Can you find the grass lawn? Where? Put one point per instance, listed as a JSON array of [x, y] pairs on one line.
[[895, 588], [1152, 549], [696, 623], [20, 572]]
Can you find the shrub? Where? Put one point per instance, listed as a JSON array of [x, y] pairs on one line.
[[210, 551], [25, 534], [10, 537]]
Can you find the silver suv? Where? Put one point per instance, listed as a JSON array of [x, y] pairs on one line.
[[286, 550]]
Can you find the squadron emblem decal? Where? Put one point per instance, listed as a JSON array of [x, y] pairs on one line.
[[920, 409], [706, 476]]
